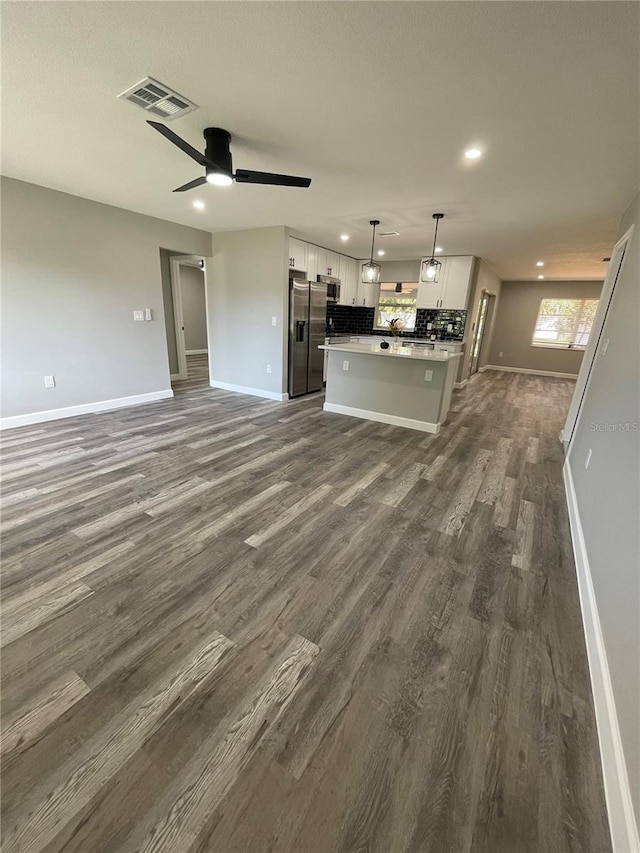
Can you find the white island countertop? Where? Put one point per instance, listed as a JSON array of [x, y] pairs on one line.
[[415, 353]]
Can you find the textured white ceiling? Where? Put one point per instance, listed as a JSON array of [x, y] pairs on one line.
[[375, 101]]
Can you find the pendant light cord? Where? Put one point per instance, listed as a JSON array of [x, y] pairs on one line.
[[373, 240], [435, 239]]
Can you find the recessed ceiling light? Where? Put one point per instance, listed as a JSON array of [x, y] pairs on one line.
[[438, 249], [473, 153], [540, 276], [344, 236], [539, 263], [199, 205], [381, 252]]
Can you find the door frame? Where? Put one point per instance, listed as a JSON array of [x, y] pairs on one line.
[[491, 297], [175, 262], [614, 269]]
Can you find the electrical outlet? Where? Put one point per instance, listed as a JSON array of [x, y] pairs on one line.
[[138, 316], [268, 368], [428, 375], [500, 354], [49, 382], [274, 321], [345, 365], [605, 347], [588, 459]]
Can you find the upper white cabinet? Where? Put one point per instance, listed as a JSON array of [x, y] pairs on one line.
[[297, 254], [368, 292], [348, 280], [312, 262], [451, 291], [458, 282]]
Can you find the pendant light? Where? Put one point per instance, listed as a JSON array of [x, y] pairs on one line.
[[430, 270], [371, 270]]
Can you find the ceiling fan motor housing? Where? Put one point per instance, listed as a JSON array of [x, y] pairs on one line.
[[217, 148]]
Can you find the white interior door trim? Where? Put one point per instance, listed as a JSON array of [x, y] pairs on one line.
[[176, 261], [584, 376]]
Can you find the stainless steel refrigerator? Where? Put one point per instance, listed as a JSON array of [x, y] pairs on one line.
[[307, 325]]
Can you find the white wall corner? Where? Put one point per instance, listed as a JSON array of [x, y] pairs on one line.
[[622, 822], [83, 409]]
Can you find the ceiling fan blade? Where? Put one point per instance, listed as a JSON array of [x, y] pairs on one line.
[[181, 144], [191, 185], [246, 176]]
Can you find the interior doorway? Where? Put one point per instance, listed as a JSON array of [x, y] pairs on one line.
[[188, 288], [596, 343], [487, 302]]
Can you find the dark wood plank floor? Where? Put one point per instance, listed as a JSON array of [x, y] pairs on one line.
[[233, 625]]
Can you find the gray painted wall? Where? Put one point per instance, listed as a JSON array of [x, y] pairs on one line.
[[516, 319], [167, 301], [608, 495], [247, 285], [193, 307], [73, 271]]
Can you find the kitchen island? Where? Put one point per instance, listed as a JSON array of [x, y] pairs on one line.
[[407, 386]]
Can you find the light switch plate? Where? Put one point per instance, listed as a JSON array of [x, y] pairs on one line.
[[345, 365], [138, 316], [428, 375], [588, 459], [49, 382], [147, 314], [274, 321], [605, 347]]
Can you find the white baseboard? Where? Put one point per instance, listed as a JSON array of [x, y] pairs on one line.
[[83, 409], [622, 823], [380, 417], [460, 385], [252, 392], [526, 370], [196, 351]]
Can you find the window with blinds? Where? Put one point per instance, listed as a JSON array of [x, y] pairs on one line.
[[564, 323]]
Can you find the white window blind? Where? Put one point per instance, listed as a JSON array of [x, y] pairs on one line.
[[564, 323]]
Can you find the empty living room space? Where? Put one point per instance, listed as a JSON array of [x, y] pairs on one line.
[[320, 426]]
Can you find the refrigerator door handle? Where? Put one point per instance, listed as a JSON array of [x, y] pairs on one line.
[[300, 324]]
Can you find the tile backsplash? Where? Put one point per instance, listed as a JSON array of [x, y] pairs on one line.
[[354, 320]]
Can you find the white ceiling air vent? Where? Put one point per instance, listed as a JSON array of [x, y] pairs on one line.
[[156, 98], [388, 233]]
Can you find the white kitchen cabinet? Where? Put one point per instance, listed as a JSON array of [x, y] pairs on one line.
[[348, 280], [297, 254], [368, 294], [333, 264], [451, 291], [323, 262], [457, 283], [312, 262], [430, 292]]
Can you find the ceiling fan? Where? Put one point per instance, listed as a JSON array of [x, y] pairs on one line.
[[217, 162]]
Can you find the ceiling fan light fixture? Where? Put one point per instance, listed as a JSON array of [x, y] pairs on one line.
[[430, 267], [370, 269], [219, 179]]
